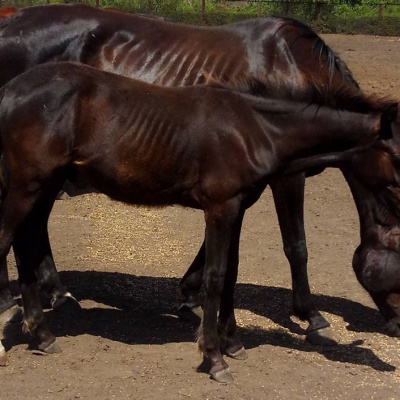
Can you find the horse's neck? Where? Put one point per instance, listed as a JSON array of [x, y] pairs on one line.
[[377, 223]]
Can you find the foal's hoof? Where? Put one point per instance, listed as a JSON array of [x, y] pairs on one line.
[[322, 337], [66, 304], [53, 348], [189, 314], [222, 376], [3, 358], [12, 315], [240, 354]]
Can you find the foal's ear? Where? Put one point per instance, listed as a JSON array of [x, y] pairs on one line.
[[387, 117]]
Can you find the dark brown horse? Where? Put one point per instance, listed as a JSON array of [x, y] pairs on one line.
[[202, 147], [176, 55]]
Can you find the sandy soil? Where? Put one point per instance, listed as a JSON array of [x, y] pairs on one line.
[[124, 264]]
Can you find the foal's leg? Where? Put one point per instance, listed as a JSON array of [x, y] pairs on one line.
[[10, 311], [18, 204], [47, 276], [220, 220], [31, 252], [288, 195], [232, 346], [48, 280], [49, 283]]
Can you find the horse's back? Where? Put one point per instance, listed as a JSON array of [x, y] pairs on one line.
[[158, 51]]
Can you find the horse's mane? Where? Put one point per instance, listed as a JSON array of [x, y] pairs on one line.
[[334, 62], [341, 97]]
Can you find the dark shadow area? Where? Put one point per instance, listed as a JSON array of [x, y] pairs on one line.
[[141, 310]]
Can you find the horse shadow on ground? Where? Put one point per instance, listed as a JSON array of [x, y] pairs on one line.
[[142, 310]]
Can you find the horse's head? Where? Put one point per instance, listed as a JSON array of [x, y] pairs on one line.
[[375, 182]]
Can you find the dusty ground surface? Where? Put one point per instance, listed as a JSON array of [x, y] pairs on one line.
[[124, 264]]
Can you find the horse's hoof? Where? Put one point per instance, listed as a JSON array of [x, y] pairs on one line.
[[222, 376], [193, 315], [3, 358], [12, 315], [322, 337], [66, 304], [241, 354], [393, 328], [53, 348]]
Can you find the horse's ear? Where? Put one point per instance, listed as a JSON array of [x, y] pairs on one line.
[[387, 117]]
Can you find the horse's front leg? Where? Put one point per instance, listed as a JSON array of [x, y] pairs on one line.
[[229, 339], [220, 220], [288, 195]]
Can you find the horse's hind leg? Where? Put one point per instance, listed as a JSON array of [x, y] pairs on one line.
[[189, 288], [11, 313], [47, 276], [17, 205], [32, 251], [288, 195]]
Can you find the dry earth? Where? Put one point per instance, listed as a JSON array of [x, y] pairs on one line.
[[124, 264]]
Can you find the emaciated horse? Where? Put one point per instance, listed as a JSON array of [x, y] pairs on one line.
[[156, 51], [203, 147]]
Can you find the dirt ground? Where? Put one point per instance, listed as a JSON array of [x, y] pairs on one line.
[[124, 264]]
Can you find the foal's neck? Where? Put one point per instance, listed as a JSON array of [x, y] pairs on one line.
[[301, 130]]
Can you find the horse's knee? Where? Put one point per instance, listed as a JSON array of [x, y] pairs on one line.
[[214, 284], [296, 253]]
